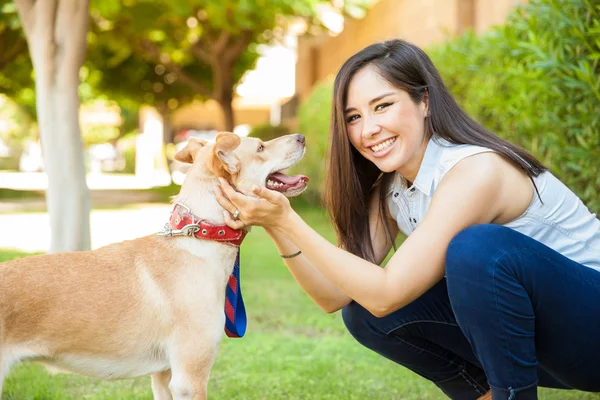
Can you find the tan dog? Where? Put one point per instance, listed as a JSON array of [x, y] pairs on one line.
[[153, 305]]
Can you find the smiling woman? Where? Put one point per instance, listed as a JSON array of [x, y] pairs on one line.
[[493, 290]]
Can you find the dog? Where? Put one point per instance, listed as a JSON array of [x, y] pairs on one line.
[[149, 306]]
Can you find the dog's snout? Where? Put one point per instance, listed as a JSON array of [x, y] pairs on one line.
[[300, 138]]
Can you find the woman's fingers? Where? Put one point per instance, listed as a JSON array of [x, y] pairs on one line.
[[263, 192], [223, 200], [232, 223], [233, 196]]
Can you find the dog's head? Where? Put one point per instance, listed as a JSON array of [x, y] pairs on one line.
[[245, 161]]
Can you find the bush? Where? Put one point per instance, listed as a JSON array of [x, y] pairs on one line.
[[266, 132], [313, 121], [535, 81]]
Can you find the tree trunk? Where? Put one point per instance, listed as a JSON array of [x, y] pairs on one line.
[[56, 31], [223, 89], [228, 115], [167, 131]]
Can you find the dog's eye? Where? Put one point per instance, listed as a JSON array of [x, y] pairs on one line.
[[260, 148]]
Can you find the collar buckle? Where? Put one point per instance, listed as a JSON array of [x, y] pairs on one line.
[[188, 230]]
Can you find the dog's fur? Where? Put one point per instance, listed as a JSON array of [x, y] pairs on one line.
[[153, 305]]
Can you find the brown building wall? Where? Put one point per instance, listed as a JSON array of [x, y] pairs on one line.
[[493, 12], [209, 116], [423, 23]]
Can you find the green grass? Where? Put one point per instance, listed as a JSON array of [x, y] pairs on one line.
[[10, 194], [292, 350]]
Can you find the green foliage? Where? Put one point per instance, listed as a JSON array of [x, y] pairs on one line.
[[167, 53], [266, 132], [16, 70], [536, 82], [313, 120]]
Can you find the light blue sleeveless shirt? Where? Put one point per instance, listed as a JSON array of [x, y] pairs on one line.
[[562, 222]]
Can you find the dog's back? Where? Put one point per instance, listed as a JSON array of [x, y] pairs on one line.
[[105, 313]]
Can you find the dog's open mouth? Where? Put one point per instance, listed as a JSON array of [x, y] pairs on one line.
[[288, 185]]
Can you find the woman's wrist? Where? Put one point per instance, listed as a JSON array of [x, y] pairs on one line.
[[283, 224]]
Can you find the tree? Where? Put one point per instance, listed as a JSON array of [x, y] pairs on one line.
[[205, 45], [12, 42], [119, 74], [56, 36], [16, 71]]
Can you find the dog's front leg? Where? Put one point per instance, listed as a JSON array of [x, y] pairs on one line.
[[160, 385], [191, 362]]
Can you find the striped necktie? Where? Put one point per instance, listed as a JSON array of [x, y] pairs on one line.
[[235, 312]]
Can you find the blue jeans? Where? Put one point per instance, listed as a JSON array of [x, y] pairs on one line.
[[511, 314]]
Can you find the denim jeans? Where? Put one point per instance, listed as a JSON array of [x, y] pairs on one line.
[[511, 315]]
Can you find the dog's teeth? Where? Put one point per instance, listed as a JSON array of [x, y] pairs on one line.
[[270, 182]]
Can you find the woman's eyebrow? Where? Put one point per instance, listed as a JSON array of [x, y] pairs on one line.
[[374, 100]]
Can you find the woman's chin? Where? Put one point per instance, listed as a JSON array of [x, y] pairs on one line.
[[387, 165]]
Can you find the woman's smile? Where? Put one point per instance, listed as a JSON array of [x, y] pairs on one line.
[[382, 149]]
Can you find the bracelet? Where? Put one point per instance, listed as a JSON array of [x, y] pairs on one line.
[[291, 255]]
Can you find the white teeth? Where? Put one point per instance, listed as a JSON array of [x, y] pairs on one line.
[[384, 145], [274, 184]]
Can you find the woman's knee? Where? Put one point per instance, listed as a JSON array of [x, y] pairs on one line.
[[358, 321], [477, 248], [368, 329]]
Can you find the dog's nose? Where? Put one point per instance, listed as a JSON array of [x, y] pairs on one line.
[[300, 138]]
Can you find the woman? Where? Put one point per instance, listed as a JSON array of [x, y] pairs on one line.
[[496, 288]]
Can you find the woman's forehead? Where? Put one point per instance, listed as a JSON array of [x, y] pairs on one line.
[[366, 85]]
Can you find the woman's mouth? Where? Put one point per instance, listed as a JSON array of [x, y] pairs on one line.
[[383, 148]]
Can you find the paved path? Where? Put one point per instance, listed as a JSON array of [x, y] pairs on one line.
[[95, 181], [31, 231], [24, 224]]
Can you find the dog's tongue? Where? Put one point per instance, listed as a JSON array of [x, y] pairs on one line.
[[289, 180]]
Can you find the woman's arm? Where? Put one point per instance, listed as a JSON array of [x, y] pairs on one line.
[[320, 289], [477, 190], [325, 294], [466, 197]]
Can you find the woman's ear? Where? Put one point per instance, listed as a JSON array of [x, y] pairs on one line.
[[426, 103]]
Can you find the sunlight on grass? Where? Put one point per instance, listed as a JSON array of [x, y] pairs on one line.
[[292, 350]]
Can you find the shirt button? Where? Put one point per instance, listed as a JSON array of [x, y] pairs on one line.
[[412, 189], [414, 220], [396, 194]]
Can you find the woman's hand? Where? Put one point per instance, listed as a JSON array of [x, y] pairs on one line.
[[270, 209]]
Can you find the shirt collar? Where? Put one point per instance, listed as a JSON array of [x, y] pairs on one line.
[[424, 180]]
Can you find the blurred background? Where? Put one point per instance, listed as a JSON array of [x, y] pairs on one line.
[[155, 73], [95, 98]]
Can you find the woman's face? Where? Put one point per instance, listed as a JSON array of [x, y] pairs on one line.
[[384, 123]]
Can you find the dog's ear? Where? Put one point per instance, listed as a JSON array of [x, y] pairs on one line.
[[188, 153], [223, 162]]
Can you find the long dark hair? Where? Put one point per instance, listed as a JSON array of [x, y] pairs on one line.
[[351, 178]]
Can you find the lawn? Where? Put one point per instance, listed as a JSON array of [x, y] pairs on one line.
[[292, 350]]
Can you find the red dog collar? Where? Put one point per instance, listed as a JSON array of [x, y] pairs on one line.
[[184, 223]]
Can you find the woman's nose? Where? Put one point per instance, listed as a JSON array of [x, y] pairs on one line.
[[370, 128]]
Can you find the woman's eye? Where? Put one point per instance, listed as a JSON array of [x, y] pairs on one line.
[[382, 106], [260, 148], [351, 118]]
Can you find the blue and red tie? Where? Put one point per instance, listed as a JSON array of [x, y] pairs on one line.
[[235, 312]]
